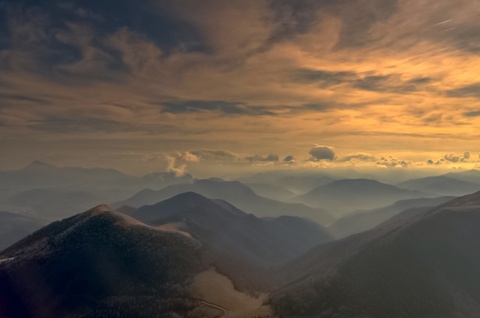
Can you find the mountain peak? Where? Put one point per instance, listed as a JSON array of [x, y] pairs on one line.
[[37, 164], [101, 208]]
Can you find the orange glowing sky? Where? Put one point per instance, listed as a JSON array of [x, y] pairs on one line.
[[222, 85]]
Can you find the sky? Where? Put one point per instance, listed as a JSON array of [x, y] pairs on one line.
[[218, 87]]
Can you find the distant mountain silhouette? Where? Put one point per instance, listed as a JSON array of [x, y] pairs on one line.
[[365, 220], [423, 265], [303, 184], [346, 195], [441, 185], [271, 191], [14, 226], [233, 192], [51, 203], [52, 191], [468, 176], [232, 231]]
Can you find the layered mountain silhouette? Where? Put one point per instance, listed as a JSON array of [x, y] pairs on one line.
[[346, 195], [14, 227], [441, 185], [365, 220], [303, 184], [50, 192], [468, 176], [233, 192], [52, 203], [421, 265], [271, 191], [222, 226]]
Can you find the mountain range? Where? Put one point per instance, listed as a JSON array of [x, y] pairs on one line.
[[233, 192], [342, 196], [14, 226], [222, 226], [423, 265], [441, 185]]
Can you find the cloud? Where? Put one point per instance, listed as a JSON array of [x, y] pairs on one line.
[[472, 90], [475, 113], [322, 77], [322, 152], [392, 162], [214, 155], [366, 157], [391, 83], [222, 156], [289, 159], [457, 158], [433, 162], [259, 158], [179, 170], [298, 17], [229, 108]]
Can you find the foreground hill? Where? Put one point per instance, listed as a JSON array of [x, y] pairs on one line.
[[104, 264], [423, 265], [226, 228], [233, 192], [347, 195], [14, 227]]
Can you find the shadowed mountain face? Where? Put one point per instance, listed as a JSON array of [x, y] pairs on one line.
[[14, 227], [343, 196], [426, 265], [229, 230], [233, 192], [95, 262]]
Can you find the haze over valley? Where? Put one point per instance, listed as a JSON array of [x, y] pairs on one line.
[[239, 159]]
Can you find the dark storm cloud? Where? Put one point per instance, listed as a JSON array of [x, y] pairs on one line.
[[224, 107], [358, 16], [472, 90]]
